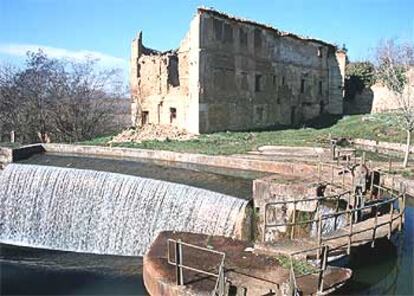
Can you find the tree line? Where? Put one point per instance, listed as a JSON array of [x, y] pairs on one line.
[[57, 100]]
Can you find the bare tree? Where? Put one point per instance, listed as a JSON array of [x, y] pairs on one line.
[[67, 101], [395, 69]]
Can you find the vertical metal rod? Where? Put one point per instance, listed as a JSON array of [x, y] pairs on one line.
[[178, 263], [375, 227], [391, 218], [336, 211], [322, 268], [372, 182], [319, 235], [402, 222], [265, 223], [351, 223], [292, 231]]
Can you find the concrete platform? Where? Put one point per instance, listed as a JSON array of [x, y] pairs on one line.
[[248, 273]]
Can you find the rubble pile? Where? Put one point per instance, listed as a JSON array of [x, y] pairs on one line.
[[153, 132]]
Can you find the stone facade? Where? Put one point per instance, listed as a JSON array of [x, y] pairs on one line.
[[234, 74], [379, 98]]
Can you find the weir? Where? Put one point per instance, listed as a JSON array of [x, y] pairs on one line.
[[105, 213]]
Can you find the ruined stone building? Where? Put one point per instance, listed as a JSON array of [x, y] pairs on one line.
[[235, 74]]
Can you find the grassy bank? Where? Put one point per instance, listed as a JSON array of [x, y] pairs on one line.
[[357, 126]]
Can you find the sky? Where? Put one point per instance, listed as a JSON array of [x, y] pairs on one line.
[[104, 28]]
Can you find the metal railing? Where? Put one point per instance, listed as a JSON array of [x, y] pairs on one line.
[[220, 285], [352, 214], [295, 202], [320, 270]]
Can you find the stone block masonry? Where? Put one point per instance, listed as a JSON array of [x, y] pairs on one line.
[[233, 74]]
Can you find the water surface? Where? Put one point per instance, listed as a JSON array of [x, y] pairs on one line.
[[233, 182]]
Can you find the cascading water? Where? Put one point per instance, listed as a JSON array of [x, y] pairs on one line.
[[328, 224], [106, 213]]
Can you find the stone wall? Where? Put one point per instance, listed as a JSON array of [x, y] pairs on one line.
[[233, 74], [378, 98], [385, 100], [253, 76], [279, 188], [164, 85]]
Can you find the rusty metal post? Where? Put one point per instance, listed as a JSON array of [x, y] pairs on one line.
[[178, 263], [375, 227], [292, 231], [322, 268], [319, 235], [372, 182], [336, 211], [351, 224], [391, 219], [402, 205]]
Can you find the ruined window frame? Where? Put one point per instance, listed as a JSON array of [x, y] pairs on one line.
[[145, 117], [228, 34], [258, 40], [302, 86], [218, 29], [173, 114], [243, 38], [259, 114], [258, 82], [244, 77]]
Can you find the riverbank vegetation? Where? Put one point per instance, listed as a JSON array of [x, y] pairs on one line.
[[373, 127]]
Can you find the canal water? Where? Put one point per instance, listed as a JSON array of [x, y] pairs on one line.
[[387, 269], [227, 181]]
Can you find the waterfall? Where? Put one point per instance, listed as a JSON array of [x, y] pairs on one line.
[[328, 224], [105, 213]]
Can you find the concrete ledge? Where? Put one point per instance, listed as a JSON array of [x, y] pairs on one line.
[[381, 147], [209, 160]]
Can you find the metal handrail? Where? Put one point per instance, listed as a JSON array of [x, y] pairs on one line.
[[219, 288], [321, 270], [329, 215]]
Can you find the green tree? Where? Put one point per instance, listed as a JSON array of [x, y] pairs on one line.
[[358, 75]]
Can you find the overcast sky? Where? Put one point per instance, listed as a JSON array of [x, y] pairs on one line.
[[104, 28]]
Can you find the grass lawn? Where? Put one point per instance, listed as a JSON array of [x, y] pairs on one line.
[[225, 143]]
